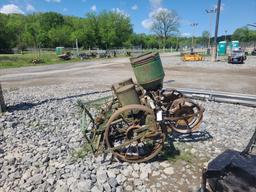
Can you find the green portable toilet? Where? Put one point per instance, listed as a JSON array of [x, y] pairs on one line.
[[222, 47], [234, 45], [59, 50]]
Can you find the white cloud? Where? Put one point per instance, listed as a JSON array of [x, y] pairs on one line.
[[54, 1], [186, 34], [30, 8], [156, 11], [147, 23], [155, 4], [135, 7], [84, 1], [94, 8], [65, 10], [117, 10], [10, 8]]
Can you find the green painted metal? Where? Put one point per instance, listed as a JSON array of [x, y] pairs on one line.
[[148, 70], [127, 95], [222, 48], [59, 50], [121, 84]]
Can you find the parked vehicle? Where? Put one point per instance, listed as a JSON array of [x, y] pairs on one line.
[[254, 52], [237, 57], [65, 56]]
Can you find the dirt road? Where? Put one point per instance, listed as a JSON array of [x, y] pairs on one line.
[[102, 73]]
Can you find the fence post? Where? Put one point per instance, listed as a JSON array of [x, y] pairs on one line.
[[2, 103]]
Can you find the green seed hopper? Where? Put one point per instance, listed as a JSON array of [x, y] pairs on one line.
[[148, 70]]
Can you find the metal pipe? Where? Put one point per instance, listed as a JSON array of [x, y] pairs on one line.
[[215, 96], [222, 97]]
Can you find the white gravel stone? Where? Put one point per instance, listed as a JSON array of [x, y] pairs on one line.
[[165, 164], [155, 173], [169, 170], [101, 176], [40, 135]]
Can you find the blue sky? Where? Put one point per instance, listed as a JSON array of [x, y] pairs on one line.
[[234, 14]]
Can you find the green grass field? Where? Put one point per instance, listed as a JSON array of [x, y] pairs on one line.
[[23, 60]]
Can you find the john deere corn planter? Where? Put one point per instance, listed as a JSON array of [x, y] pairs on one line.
[[134, 123]]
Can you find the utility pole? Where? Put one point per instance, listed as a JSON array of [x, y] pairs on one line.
[[210, 12], [2, 104], [214, 55], [226, 35], [192, 41]]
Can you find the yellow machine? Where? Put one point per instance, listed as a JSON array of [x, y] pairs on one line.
[[192, 57]]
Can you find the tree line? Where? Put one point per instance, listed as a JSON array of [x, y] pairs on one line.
[[51, 29], [106, 30]]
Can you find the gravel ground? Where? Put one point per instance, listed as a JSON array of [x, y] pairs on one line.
[[218, 76], [40, 134]]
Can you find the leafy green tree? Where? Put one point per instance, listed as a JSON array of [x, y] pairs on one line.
[[5, 33], [16, 27], [60, 36], [244, 34], [92, 30], [50, 20], [114, 28], [205, 37]]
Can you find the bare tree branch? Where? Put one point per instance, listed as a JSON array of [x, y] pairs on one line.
[[165, 23]]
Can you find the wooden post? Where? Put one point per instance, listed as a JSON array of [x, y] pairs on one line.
[[2, 104]]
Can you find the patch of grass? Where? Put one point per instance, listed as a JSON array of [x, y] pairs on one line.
[[174, 155], [185, 156], [46, 58], [24, 60], [82, 152]]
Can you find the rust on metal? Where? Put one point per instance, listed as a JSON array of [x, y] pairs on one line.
[[134, 126]]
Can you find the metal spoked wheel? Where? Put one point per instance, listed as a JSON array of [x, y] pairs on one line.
[[133, 134], [188, 116]]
